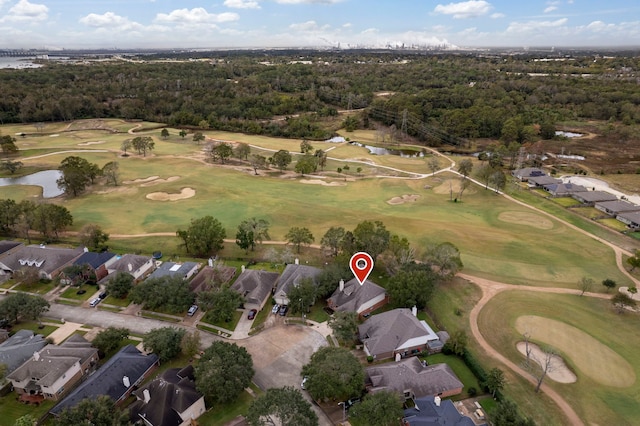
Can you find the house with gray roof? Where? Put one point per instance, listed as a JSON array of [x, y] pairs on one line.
[[615, 208], [434, 411], [255, 286], [292, 276], [564, 189], [395, 334], [49, 261], [590, 198], [98, 262], [413, 378], [55, 369], [528, 172], [6, 245], [211, 276], [169, 400], [353, 297], [117, 378], [20, 347], [135, 265], [541, 181], [171, 269]]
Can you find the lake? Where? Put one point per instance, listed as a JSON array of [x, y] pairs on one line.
[[376, 150], [45, 179]]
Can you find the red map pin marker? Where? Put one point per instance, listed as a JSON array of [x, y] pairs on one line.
[[361, 265]]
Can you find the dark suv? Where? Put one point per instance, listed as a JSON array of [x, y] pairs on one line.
[[283, 310]]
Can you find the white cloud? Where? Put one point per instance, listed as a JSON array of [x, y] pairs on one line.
[[309, 26], [197, 15], [25, 11], [466, 9], [108, 20], [550, 9], [308, 1], [370, 31], [535, 26], [242, 4], [497, 15], [347, 25]]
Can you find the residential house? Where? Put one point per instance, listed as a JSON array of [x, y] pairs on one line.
[[5, 247], [541, 181], [564, 189], [209, 276], [353, 297], [170, 400], [528, 172], [49, 261], [434, 411], [98, 262], [395, 334], [413, 378], [54, 369], [615, 208], [590, 198], [117, 378], [631, 219], [255, 286], [292, 276], [184, 270], [19, 348], [135, 265]]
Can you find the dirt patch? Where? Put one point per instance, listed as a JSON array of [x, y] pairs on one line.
[[403, 199], [159, 181], [54, 135], [526, 218], [449, 185], [558, 371], [91, 143], [165, 196], [150, 178], [321, 182]]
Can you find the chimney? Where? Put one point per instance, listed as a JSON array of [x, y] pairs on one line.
[[85, 250], [36, 356], [242, 268], [341, 284], [436, 400], [297, 261], [211, 262], [126, 382], [147, 396], [414, 311]]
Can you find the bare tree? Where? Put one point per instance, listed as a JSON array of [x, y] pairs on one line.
[[547, 365], [527, 348], [585, 284], [434, 164]]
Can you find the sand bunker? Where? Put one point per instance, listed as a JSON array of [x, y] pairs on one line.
[[588, 355], [54, 136], [159, 181], [164, 196], [150, 178], [321, 182], [526, 218], [403, 199], [91, 143], [558, 371]]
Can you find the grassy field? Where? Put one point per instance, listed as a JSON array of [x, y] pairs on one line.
[[590, 332]]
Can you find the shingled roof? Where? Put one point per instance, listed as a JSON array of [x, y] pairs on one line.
[[46, 259], [293, 275], [255, 285], [20, 347], [95, 260], [430, 411], [203, 280], [354, 295]]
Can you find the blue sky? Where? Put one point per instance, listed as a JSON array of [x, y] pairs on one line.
[[318, 23]]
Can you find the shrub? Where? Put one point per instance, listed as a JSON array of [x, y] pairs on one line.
[[472, 391], [370, 358]]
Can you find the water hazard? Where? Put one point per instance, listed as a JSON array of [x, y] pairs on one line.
[[45, 179]]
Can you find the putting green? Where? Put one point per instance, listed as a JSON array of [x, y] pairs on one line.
[[591, 357]]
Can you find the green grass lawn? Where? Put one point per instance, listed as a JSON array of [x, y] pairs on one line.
[[37, 288], [220, 415], [71, 292], [34, 326], [566, 201], [123, 303], [11, 409], [231, 325], [614, 224]]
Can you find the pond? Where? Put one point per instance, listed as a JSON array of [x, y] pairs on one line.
[[45, 179], [568, 134], [376, 150]]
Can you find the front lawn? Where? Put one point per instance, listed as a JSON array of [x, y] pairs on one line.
[[33, 326], [222, 414], [566, 201], [230, 325], [11, 409], [72, 292], [37, 288]]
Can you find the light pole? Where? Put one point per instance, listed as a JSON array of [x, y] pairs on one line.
[[301, 311]]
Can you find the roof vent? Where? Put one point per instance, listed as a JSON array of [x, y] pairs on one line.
[[147, 396], [126, 382], [436, 400]]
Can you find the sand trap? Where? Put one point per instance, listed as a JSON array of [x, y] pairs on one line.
[[321, 182], [403, 199], [159, 181], [558, 372], [526, 218], [164, 196], [91, 143], [54, 136], [128, 182]]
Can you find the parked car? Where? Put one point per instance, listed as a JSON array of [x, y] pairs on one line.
[[103, 296], [252, 314], [351, 402], [283, 310], [304, 381], [192, 310], [275, 309], [95, 302]]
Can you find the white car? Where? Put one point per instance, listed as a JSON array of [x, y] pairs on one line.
[[275, 309], [95, 302], [304, 381]]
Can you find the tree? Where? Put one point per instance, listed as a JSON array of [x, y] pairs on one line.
[[244, 239], [9, 215], [411, 288], [143, 144], [110, 172], [100, 411], [183, 133], [382, 408], [222, 373], [332, 240], [585, 284], [198, 137], [622, 301], [444, 259], [328, 279], [50, 219], [371, 237], [547, 365], [306, 164], [495, 381], [164, 342], [35, 307], [242, 150], [169, 293], [120, 285], [506, 414], [126, 145], [22, 306], [465, 167], [79, 274], [26, 420], [281, 159], [258, 161], [344, 326], [164, 134], [204, 237], [281, 406], [27, 276], [498, 179], [464, 184], [299, 236], [457, 343], [220, 304], [11, 166], [484, 174], [110, 339], [434, 164], [609, 284], [334, 373], [220, 151], [322, 158], [305, 147], [634, 261], [251, 231], [76, 175], [93, 237], [302, 295], [190, 344], [8, 145]]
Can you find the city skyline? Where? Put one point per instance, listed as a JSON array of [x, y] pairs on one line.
[[58, 24]]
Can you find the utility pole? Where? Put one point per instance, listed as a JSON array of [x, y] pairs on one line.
[[403, 128]]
